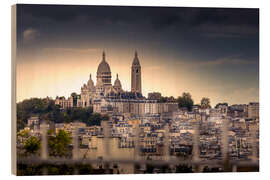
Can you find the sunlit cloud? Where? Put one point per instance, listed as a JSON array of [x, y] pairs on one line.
[[225, 61], [30, 34], [226, 31], [216, 62], [70, 50], [249, 94]]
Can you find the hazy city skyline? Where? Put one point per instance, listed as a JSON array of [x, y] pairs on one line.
[[208, 52]]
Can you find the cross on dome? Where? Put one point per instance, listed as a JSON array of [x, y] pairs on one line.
[[103, 56]]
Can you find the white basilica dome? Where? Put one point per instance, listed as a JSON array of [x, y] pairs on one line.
[[103, 67]]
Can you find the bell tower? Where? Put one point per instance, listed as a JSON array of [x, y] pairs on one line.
[[136, 75]]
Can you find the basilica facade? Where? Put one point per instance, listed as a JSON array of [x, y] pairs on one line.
[[106, 97]]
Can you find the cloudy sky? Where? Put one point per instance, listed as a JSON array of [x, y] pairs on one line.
[[209, 52]]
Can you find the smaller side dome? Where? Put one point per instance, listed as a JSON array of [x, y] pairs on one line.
[[90, 83], [117, 82]]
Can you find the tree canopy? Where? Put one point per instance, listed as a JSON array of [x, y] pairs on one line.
[[47, 110], [185, 101], [225, 104], [58, 144], [32, 145], [205, 103]]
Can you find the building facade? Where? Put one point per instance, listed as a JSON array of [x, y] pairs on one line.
[[107, 98], [253, 110]]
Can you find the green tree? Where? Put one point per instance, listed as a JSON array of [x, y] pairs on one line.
[[183, 168], [94, 120], [74, 96], [226, 104], [205, 103], [185, 101], [58, 144], [44, 108], [23, 133], [47, 110], [164, 99], [32, 145]]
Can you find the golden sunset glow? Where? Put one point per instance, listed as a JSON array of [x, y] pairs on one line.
[[57, 52], [59, 72]]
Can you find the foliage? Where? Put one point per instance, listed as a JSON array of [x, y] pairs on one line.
[[53, 169], [198, 105], [183, 168], [95, 119], [77, 114], [74, 96], [225, 104], [163, 99], [58, 145], [205, 103], [166, 99], [149, 168], [47, 110], [36, 106], [24, 133], [185, 101], [32, 145]]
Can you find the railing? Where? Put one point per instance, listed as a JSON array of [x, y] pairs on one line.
[[225, 163]]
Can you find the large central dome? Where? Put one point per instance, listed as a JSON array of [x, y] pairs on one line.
[[104, 72], [103, 67]]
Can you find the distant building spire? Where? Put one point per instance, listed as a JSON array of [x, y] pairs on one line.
[[117, 76], [136, 59], [103, 56], [90, 76], [136, 75]]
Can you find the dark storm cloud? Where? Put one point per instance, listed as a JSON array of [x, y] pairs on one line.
[[156, 17], [227, 16], [211, 22], [197, 33], [53, 12]]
